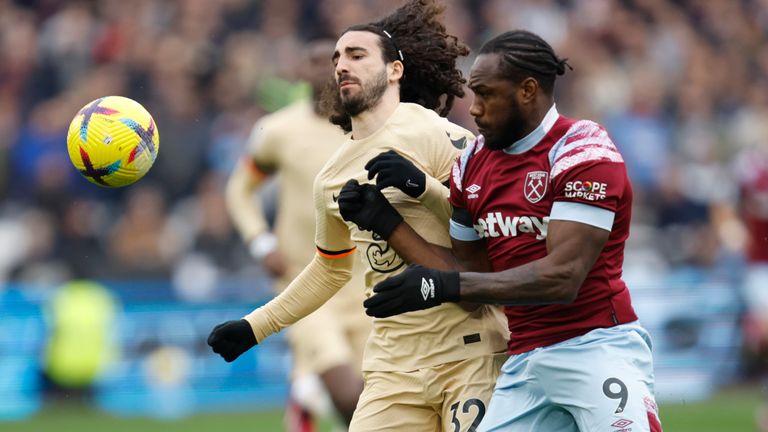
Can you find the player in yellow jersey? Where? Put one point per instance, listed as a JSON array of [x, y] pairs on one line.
[[294, 144], [432, 371]]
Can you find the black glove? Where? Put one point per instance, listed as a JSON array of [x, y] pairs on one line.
[[392, 169], [367, 207], [414, 289], [232, 338]]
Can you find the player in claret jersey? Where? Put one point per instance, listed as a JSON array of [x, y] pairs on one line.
[[542, 208], [751, 173]]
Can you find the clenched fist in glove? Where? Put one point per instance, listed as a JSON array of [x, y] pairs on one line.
[[232, 338], [392, 169], [367, 207], [416, 288]]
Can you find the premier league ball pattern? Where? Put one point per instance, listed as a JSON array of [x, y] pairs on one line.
[[113, 141]]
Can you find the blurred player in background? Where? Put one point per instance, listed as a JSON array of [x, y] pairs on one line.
[[294, 143], [542, 205], [751, 173], [424, 371]]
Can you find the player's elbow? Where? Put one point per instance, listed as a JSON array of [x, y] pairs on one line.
[[337, 271], [566, 294], [342, 276], [565, 281], [236, 188]]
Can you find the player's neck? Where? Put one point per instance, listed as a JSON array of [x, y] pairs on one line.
[[536, 117], [368, 122]]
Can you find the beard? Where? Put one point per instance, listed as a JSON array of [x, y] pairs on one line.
[[367, 97], [511, 130]]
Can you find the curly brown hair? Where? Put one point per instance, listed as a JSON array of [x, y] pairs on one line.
[[431, 78]]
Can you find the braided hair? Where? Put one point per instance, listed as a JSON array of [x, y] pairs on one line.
[[524, 54], [415, 35]]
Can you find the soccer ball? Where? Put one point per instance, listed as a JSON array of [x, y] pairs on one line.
[[113, 141]]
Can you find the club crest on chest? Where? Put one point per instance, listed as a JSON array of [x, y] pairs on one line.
[[535, 186]]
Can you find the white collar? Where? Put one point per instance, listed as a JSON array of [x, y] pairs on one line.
[[526, 143]]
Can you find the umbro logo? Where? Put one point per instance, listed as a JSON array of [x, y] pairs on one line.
[[473, 191], [427, 288], [622, 425]]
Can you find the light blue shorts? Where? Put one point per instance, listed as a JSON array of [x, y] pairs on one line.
[[601, 381]]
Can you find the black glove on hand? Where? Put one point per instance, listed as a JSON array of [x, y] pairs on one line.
[[414, 289], [367, 207], [392, 169], [232, 338]]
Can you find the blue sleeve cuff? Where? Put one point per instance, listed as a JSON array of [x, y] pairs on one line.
[[582, 213], [462, 232]]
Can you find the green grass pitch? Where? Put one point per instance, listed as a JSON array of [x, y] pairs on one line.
[[731, 410]]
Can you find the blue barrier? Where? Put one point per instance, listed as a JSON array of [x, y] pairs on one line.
[[22, 336], [164, 368]]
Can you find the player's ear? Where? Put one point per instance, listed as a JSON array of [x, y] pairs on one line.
[[528, 89], [396, 70]]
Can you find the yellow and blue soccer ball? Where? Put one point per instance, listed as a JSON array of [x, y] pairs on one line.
[[113, 141]]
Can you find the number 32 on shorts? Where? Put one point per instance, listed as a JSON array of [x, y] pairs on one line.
[[469, 405]]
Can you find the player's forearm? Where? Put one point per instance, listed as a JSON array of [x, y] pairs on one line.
[[319, 281], [572, 250], [435, 198], [412, 248], [245, 211], [538, 282]]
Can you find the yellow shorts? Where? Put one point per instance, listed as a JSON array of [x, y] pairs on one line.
[[323, 340], [448, 397]]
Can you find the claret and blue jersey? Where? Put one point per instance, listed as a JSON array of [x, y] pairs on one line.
[[564, 170]]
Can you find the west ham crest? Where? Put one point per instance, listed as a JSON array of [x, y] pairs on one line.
[[535, 186]]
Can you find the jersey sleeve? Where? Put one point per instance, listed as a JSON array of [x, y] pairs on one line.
[[435, 198], [461, 227], [588, 176], [445, 144], [328, 271], [446, 149], [458, 171], [456, 194], [332, 236], [320, 280], [246, 213], [263, 146]]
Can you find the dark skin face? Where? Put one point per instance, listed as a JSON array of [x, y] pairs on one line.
[[504, 111], [316, 70]]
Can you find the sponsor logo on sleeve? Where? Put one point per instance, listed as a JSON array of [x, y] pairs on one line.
[[586, 190]]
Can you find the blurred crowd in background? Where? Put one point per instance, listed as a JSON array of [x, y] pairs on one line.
[[681, 85]]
